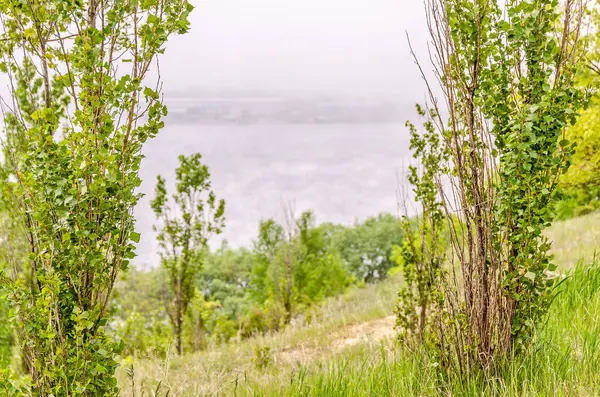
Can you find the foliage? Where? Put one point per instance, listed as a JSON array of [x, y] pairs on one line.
[[6, 333], [590, 75], [13, 251], [139, 291], [226, 278], [139, 320], [236, 293], [144, 336], [265, 275], [532, 150], [186, 221], [75, 126], [562, 362], [296, 266], [215, 370], [423, 254], [509, 83], [366, 248], [199, 313], [581, 183]]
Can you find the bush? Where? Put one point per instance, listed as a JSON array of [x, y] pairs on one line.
[[366, 248], [581, 184], [6, 333], [145, 336]]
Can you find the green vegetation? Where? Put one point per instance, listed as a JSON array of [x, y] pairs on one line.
[[581, 184], [77, 119], [490, 296], [186, 221], [6, 333], [240, 293], [562, 362], [366, 248], [508, 78], [340, 351]]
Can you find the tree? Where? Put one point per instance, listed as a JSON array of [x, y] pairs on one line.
[[78, 117], [423, 253], [186, 221], [509, 89], [320, 270], [265, 280], [366, 247], [199, 314], [6, 333], [226, 279], [581, 183], [140, 320], [297, 265], [590, 75]]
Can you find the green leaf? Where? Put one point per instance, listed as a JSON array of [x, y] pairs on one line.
[[135, 237]]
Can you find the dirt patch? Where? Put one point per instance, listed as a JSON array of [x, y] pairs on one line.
[[368, 332], [363, 333]]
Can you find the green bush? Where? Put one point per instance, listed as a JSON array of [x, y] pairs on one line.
[[366, 248], [580, 186], [145, 336], [6, 333]]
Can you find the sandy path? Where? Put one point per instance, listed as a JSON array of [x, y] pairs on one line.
[[369, 332]]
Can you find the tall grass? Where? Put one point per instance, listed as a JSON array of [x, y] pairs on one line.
[[217, 370], [564, 361], [575, 239]]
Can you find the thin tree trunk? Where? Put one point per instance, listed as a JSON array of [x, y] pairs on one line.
[[288, 294], [422, 319], [179, 319], [178, 336]]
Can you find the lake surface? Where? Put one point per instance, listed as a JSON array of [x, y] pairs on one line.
[[343, 172]]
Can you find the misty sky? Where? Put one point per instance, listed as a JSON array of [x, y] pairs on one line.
[[326, 46], [344, 46]]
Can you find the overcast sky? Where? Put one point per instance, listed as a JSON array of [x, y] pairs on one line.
[[346, 46], [330, 46]]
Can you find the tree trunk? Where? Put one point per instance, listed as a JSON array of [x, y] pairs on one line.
[[422, 319], [179, 320], [178, 336], [288, 295]]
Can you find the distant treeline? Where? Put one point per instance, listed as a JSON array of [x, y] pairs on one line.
[[255, 111], [241, 292]]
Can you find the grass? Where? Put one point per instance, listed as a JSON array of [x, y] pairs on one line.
[[217, 370], [575, 239], [327, 357], [563, 362]]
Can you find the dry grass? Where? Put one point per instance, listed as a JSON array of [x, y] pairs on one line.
[[575, 239], [351, 329], [356, 320]]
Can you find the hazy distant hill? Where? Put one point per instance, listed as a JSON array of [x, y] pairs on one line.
[[229, 106]]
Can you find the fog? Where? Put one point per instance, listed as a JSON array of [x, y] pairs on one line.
[[331, 47], [346, 47], [355, 47]]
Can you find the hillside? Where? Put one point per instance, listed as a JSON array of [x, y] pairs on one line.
[[348, 339], [575, 239]]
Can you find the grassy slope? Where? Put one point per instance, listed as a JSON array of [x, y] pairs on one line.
[[316, 359], [216, 371], [575, 239]]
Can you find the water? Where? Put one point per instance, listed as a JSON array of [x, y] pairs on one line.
[[343, 172]]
